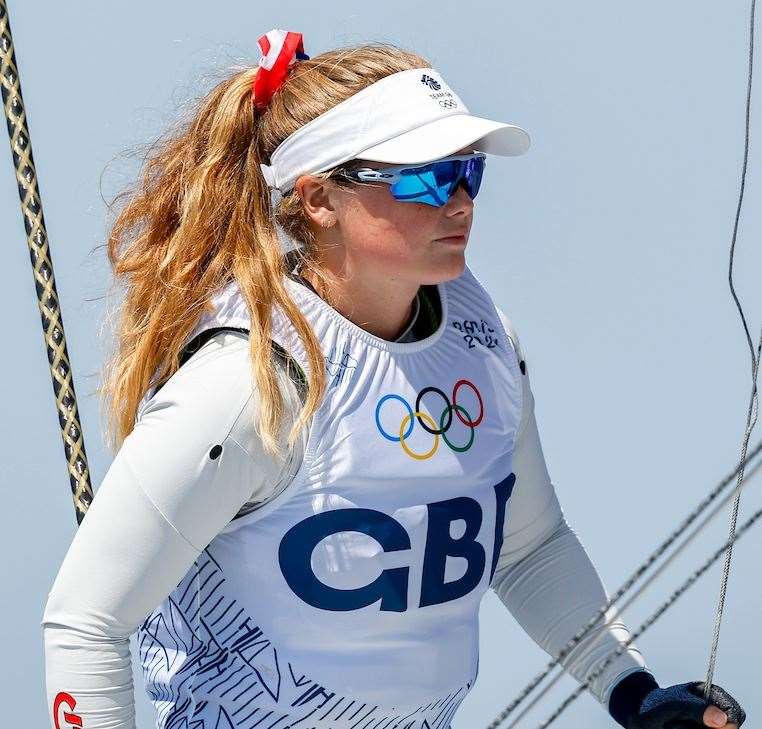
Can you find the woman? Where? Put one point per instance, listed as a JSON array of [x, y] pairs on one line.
[[297, 548]]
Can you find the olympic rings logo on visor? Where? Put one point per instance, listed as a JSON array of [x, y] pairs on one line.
[[407, 424], [432, 183]]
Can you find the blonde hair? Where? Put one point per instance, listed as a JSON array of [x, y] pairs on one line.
[[201, 215]]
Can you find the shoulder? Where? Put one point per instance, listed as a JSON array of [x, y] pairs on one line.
[[212, 386], [195, 449], [510, 330], [527, 409], [214, 393], [215, 386]]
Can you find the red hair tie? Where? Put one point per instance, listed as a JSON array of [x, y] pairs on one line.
[[280, 50]]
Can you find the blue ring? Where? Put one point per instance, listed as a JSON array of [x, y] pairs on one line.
[[407, 406]]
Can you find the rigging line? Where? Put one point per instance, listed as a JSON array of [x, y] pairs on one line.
[[739, 470], [699, 528], [753, 404], [696, 531], [44, 280], [631, 580], [653, 617]]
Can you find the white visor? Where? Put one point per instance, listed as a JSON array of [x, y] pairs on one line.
[[409, 117]]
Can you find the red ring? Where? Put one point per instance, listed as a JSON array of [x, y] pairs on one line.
[[474, 423]]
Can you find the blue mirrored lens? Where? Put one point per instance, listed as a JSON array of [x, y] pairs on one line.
[[474, 172], [435, 183]]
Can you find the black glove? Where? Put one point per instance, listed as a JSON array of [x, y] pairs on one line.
[[637, 702]]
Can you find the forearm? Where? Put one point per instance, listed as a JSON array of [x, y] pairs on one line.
[[124, 558], [553, 592], [93, 682]]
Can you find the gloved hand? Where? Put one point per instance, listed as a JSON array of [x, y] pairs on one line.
[[638, 702]]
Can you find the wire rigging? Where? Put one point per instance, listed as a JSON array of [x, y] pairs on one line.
[[751, 416], [690, 538], [654, 616], [751, 420], [626, 587]]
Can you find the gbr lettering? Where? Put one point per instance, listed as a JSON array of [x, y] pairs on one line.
[[391, 586]]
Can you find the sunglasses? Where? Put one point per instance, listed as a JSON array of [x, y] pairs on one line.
[[433, 183]]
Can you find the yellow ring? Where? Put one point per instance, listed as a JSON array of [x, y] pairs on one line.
[[423, 456]]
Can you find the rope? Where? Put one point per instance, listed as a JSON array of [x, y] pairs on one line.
[[626, 586], [42, 265], [653, 618], [696, 531], [751, 416]]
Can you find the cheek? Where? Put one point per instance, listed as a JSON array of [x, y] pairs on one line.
[[378, 221]]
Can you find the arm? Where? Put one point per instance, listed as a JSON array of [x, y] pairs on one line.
[[544, 575], [163, 499]]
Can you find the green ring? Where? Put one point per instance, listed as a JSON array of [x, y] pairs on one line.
[[444, 437]]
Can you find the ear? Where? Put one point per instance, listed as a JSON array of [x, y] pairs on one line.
[[317, 200]]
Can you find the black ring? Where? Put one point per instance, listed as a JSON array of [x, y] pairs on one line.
[[418, 409]]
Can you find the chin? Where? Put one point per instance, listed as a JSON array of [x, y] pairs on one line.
[[446, 271]]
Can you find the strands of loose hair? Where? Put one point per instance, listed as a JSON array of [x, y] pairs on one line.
[[201, 215]]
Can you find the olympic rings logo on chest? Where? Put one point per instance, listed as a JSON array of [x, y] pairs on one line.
[[427, 422]]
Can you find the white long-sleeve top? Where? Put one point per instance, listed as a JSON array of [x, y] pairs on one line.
[[160, 505]]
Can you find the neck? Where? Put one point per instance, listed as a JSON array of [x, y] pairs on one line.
[[383, 312]]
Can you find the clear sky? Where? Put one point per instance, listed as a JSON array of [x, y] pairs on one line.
[[607, 245]]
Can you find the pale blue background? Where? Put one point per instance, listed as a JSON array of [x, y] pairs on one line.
[[607, 244]]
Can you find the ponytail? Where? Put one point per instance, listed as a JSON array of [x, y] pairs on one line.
[[201, 216]]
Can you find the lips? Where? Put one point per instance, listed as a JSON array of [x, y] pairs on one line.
[[456, 237]]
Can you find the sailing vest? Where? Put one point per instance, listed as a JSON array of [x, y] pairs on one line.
[[351, 599]]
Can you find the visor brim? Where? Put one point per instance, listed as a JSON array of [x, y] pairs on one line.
[[446, 136]]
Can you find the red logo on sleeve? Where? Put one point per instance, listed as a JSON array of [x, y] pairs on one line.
[[72, 720]]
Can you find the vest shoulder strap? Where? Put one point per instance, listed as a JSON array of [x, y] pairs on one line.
[[201, 339], [295, 371], [196, 343]]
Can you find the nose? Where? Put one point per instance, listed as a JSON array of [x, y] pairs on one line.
[[460, 202]]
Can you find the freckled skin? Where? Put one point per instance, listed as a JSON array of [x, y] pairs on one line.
[[382, 250]]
